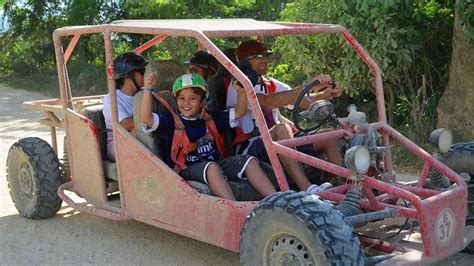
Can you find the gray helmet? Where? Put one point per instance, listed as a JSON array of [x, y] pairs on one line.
[[128, 62]]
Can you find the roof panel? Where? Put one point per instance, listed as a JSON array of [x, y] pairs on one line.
[[237, 27], [207, 26]]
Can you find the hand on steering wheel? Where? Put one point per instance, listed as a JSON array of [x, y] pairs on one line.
[[319, 111]]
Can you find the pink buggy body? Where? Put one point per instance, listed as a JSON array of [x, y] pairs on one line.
[[152, 193]]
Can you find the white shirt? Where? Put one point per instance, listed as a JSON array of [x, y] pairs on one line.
[[246, 123], [125, 110]]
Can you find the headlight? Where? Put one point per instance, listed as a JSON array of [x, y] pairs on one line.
[[357, 159], [441, 139]]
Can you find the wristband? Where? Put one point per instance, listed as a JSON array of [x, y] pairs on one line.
[[148, 89]]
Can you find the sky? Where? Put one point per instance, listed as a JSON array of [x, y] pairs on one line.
[[1, 21]]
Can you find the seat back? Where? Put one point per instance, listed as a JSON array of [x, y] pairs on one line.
[[167, 71], [94, 113], [218, 83], [146, 138]]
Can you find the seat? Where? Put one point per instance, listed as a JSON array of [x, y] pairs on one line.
[[218, 83], [242, 189], [143, 137], [94, 113], [168, 71]]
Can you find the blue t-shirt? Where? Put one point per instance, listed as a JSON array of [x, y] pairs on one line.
[[196, 131]]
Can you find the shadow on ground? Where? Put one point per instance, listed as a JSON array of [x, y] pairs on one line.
[[72, 237]]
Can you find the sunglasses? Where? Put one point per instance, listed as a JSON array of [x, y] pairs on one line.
[[195, 69], [260, 56]]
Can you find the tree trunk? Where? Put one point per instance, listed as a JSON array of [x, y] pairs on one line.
[[456, 106]]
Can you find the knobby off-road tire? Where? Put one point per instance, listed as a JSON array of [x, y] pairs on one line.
[[295, 228], [33, 177]]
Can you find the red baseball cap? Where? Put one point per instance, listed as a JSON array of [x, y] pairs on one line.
[[251, 48]]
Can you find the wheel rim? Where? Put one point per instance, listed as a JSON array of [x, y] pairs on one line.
[[26, 179], [288, 250]]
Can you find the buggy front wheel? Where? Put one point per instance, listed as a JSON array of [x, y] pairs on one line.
[[295, 228], [33, 178]]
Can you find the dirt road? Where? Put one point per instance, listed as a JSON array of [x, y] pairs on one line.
[[72, 237]]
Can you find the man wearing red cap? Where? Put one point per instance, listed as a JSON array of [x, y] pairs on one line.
[[253, 58]]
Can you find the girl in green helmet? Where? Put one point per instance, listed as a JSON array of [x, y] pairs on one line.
[[197, 151]]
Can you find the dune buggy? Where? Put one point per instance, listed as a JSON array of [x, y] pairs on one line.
[[285, 228]]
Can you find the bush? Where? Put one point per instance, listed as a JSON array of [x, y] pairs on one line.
[[401, 36]]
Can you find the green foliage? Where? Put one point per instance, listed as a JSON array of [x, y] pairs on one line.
[[195, 9], [28, 46], [466, 14], [85, 79], [401, 36]]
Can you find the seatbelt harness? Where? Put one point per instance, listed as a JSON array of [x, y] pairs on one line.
[[269, 87], [181, 145]]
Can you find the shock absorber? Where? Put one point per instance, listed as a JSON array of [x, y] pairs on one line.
[[350, 205], [439, 180]]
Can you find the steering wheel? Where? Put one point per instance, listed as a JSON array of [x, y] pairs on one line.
[[316, 115]]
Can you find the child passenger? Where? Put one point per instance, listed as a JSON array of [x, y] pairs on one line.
[[197, 149]]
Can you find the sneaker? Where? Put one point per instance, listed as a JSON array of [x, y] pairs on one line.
[[315, 188]]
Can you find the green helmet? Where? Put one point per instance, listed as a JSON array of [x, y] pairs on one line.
[[189, 81]]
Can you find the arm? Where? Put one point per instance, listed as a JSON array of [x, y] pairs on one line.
[[145, 109], [284, 98], [147, 101], [278, 99], [241, 107], [128, 124]]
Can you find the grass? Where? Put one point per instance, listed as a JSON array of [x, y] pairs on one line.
[[404, 161], [33, 82], [85, 79]]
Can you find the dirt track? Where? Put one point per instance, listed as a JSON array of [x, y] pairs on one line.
[[72, 237]]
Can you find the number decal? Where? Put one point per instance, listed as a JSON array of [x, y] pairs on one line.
[[445, 227]]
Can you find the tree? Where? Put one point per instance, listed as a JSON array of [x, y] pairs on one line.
[[401, 36], [456, 108]]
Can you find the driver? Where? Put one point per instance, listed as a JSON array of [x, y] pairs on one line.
[[253, 57]]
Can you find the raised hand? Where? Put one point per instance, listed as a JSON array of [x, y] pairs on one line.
[[238, 87], [149, 79]]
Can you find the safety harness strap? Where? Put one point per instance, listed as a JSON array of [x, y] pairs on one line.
[[181, 144]]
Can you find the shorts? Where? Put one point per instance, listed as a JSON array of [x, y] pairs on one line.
[[233, 168], [256, 148]]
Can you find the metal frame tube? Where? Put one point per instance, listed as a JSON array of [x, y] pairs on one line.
[[365, 217]]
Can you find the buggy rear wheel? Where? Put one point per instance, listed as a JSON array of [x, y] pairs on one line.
[[33, 177], [295, 228]]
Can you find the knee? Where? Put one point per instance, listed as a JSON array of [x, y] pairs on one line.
[[282, 131], [253, 162], [213, 169]]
